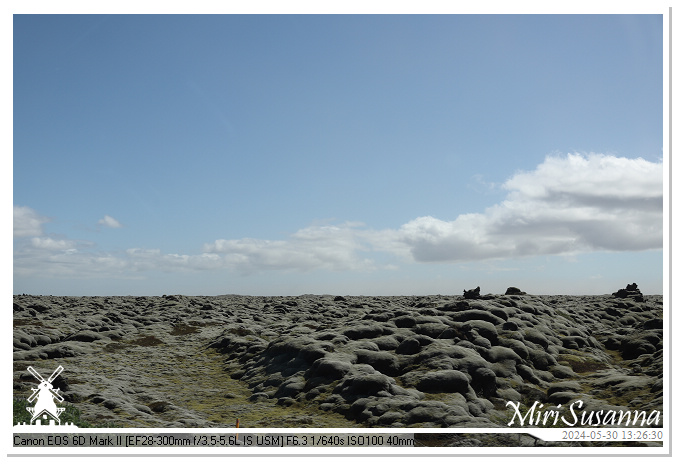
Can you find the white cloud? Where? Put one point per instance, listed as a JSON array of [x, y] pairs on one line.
[[316, 247], [47, 243], [141, 259], [108, 221], [61, 258], [27, 223], [569, 204], [590, 176]]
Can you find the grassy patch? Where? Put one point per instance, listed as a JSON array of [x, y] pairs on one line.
[[147, 340], [183, 329], [240, 331], [31, 322], [223, 400], [582, 364], [616, 357], [111, 347], [159, 406]]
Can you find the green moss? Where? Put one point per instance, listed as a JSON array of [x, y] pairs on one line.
[[240, 331], [227, 408], [147, 340], [184, 329], [111, 347], [22, 322], [581, 363]]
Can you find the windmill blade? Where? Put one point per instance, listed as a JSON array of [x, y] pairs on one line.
[[55, 374], [35, 373], [56, 395], [34, 395]]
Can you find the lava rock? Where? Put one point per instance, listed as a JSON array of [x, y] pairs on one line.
[[472, 294], [386, 363], [514, 291], [448, 381], [631, 291]]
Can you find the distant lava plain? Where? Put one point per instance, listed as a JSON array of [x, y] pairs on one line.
[[436, 361]]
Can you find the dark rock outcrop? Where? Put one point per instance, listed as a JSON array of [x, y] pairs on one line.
[[514, 291], [631, 291], [472, 294]]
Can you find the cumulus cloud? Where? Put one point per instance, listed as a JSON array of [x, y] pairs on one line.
[[317, 247], [47, 243], [108, 221], [572, 204], [63, 258], [27, 223], [567, 205], [142, 259]]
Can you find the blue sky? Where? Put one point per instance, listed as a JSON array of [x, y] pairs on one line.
[[341, 154]]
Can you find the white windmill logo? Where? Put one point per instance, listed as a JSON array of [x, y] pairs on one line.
[[46, 394]]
